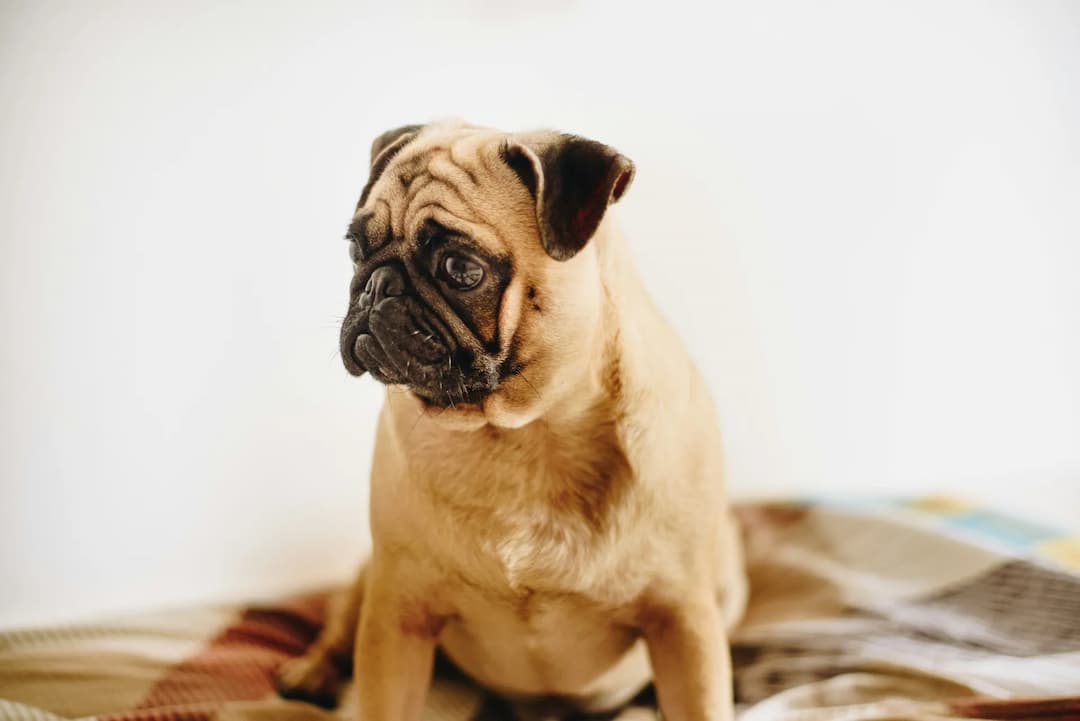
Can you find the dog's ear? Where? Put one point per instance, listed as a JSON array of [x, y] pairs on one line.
[[573, 181], [383, 150], [390, 137]]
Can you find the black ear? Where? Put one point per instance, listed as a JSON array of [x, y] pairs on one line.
[[573, 180], [390, 137], [383, 150]]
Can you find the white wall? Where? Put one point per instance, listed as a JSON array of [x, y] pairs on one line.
[[863, 217]]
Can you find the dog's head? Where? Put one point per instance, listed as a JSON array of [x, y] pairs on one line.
[[470, 287]]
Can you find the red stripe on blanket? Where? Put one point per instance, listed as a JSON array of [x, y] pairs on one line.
[[236, 665], [1065, 708]]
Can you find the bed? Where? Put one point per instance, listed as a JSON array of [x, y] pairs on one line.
[[923, 609]]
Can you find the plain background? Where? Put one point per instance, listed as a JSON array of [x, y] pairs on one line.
[[864, 218]]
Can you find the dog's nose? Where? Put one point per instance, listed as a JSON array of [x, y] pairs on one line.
[[385, 282]]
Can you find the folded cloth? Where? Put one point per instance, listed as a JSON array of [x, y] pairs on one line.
[[923, 609]]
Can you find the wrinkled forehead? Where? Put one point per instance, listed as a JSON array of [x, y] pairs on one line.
[[453, 176]]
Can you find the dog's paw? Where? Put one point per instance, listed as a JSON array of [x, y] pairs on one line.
[[309, 678]]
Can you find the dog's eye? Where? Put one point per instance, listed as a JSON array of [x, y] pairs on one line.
[[460, 273]]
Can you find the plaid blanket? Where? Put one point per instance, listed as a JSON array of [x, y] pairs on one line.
[[925, 609]]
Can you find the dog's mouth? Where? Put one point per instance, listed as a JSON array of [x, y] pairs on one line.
[[392, 335], [420, 360]]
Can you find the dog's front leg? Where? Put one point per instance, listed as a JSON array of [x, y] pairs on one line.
[[691, 661], [395, 650]]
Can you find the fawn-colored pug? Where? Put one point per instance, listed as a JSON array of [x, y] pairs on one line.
[[547, 496]]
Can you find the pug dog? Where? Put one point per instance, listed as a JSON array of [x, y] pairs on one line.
[[547, 497]]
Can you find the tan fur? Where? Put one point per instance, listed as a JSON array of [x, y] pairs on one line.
[[573, 527]]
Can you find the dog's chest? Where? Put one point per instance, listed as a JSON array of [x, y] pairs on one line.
[[541, 511], [543, 557], [558, 537], [540, 547]]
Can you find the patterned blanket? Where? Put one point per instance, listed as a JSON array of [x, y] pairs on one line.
[[924, 609]]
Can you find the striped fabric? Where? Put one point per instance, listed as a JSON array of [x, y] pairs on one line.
[[923, 609]]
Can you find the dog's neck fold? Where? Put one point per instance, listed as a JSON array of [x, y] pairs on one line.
[[630, 342]]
